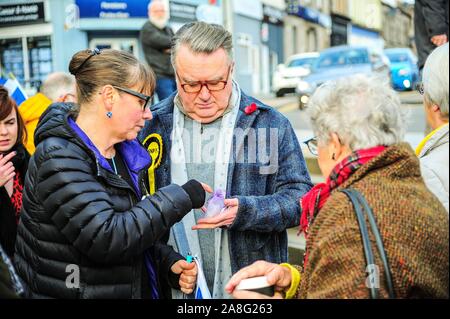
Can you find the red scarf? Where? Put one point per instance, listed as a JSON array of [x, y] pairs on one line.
[[314, 200]]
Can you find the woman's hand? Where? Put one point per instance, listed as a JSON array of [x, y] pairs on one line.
[[188, 277], [277, 275], [7, 170]]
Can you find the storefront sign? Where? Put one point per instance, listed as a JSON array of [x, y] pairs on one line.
[[19, 14], [309, 14], [111, 9], [179, 10], [273, 15]]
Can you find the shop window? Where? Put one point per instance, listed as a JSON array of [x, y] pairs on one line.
[[11, 58], [40, 59], [29, 59], [311, 35]]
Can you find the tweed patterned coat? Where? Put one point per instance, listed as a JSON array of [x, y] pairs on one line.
[[413, 224]]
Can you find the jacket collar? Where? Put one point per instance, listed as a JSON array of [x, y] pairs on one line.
[[401, 156], [440, 137], [132, 152]]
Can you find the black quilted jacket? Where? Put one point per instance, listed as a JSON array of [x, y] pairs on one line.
[[76, 212]]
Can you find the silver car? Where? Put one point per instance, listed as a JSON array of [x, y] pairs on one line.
[[343, 61], [287, 76]]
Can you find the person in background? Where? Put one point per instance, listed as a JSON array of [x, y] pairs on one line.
[[430, 27], [13, 167], [156, 37], [85, 211], [58, 87], [359, 128], [433, 151]]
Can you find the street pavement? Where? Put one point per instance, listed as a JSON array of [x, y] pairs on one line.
[[288, 106]]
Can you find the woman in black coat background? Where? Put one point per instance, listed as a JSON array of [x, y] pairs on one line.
[[13, 167]]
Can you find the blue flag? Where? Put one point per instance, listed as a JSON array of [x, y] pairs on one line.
[[15, 90]]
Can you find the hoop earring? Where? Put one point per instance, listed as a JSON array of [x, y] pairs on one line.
[[109, 114]]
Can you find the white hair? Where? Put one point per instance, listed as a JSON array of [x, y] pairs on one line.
[[202, 37], [58, 84], [363, 111], [435, 78]]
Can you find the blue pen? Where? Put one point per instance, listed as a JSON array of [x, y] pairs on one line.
[[189, 258]]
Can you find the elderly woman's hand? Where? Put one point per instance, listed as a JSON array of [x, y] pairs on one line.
[[7, 171], [277, 275], [188, 277]]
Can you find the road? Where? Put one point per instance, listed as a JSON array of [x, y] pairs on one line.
[[288, 105]]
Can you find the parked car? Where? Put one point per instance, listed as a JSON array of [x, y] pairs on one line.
[[404, 70], [287, 76], [342, 61]]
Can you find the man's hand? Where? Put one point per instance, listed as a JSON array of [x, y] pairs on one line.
[[188, 277], [439, 39], [277, 275], [7, 170], [225, 218]]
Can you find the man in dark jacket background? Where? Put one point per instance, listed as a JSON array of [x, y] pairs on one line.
[[156, 38], [430, 27]]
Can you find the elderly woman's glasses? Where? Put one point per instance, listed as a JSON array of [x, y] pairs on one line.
[[312, 145], [146, 98], [419, 88], [213, 86]]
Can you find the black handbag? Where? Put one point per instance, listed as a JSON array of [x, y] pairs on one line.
[[362, 209]]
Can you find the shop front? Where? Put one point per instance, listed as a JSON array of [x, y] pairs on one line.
[[307, 29], [273, 38], [25, 42]]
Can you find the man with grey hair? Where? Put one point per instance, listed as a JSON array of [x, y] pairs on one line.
[[156, 38], [60, 87], [433, 151], [212, 131]]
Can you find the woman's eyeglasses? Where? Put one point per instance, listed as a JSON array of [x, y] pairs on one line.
[[312, 145], [419, 88], [146, 98]]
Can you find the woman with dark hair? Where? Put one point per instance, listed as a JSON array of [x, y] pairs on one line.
[[13, 167], [87, 229]]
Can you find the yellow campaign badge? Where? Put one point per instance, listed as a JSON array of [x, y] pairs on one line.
[[154, 145]]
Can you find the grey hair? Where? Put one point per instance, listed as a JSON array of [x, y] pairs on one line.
[[435, 78], [363, 111], [58, 84], [202, 37]]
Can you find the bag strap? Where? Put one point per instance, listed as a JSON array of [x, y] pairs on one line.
[[361, 206]]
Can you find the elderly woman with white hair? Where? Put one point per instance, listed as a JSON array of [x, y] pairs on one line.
[[433, 151], [359, 129]]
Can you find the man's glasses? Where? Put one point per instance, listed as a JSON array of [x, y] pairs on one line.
[[212, 86], [312, 145], [146, 98]]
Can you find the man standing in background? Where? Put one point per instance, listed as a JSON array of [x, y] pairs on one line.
[[156, 37], [430, 27]]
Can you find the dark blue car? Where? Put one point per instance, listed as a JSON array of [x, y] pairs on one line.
[[404, 71]]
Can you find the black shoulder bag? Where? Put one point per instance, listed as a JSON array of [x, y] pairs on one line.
[[362, 209]]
